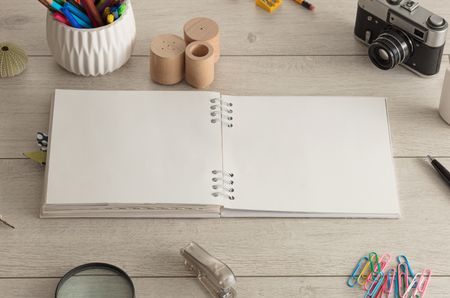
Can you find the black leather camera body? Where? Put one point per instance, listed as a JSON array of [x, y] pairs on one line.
[[401, 32]]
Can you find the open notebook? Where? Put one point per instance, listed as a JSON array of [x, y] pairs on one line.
[[203, 154]]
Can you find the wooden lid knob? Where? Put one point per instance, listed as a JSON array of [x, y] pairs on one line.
[[203, 29], [167, 59]]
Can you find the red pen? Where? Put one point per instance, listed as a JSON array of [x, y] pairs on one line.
[[61, 18]]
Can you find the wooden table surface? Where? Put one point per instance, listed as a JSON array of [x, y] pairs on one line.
[[289, 52]]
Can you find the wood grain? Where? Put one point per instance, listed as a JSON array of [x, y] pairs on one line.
[[251, 247], [290, 52], [244, 28], [248, 287], [417, 129]]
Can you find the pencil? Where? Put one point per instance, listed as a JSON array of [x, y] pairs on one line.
[[43, 2], [92, 12], [305, 4]]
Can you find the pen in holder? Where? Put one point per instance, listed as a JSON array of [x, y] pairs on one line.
[[93, 51]]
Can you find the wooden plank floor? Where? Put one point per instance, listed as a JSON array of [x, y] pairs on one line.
[[292, 52]]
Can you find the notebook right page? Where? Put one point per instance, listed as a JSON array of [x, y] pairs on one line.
[[317, 156]]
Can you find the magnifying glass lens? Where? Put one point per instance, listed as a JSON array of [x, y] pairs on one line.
[[94, 282]]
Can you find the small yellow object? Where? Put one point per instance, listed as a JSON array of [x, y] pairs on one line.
[[38, 156], [269, 5], [110, 18], [106, 12]]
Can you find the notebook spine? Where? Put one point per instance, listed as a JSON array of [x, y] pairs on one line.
[[221, 111], [222, 184]]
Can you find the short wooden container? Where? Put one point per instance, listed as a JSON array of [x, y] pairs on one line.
[[203, 29], [167, 59], [199, 64]]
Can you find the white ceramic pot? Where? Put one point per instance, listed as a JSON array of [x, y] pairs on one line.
[[92, 52]]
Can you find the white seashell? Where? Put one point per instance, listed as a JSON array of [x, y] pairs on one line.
[[13, 60]]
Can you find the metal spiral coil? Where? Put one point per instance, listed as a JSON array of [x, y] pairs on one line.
[[221, 112], [222, 184]]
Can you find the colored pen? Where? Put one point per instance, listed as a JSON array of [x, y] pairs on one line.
[[103, 5], [76, 12], [58, 7], [92, 13], [60, 18], [70, 17], [305, 4], [77, 5], [54, 4], [443, 172]]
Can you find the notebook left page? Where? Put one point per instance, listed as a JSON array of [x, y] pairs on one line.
[[132, 147]]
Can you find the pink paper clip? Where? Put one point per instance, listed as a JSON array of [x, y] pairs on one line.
[[412, 287], [389, 285], [375, 287], [384, 261], [422, 284], [380, 291], [402, 279]]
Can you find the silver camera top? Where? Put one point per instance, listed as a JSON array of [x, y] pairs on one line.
[[412, 18]]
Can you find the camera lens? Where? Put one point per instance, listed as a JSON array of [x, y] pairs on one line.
[[391, 48]]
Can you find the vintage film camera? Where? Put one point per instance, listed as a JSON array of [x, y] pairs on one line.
[[401, 32]]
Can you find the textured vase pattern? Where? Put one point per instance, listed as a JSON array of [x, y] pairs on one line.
[[92, 52]]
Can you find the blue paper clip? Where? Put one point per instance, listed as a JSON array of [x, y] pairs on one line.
[[396, 288], [405, 260], [375, 287], [353, 279]]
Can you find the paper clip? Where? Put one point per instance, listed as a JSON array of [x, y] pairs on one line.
[[382, 264], [372, 256], [396, 285], [389, 285], [405, 260], [422, 284], [353, 279], [402, 277], [409, 291], [375, 287], [364, 274]]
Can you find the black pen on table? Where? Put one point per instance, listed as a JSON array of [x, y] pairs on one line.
[[2, 221], [443, 172]]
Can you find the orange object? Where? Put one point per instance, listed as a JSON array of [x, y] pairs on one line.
[[269, 5]]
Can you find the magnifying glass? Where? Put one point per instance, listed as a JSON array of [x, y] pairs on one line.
[[95, 280]]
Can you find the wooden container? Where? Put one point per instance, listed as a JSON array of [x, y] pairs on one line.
[[203, 29], [199, 64], [167, 59]]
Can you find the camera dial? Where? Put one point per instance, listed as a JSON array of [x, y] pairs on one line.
[[392, 47]]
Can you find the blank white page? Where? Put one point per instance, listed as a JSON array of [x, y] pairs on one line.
[[132, 147], [318, 155]]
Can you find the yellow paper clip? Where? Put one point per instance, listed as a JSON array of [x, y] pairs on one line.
[[269, 5]]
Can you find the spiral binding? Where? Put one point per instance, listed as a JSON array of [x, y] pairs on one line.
[[223, 184], [221, 112]]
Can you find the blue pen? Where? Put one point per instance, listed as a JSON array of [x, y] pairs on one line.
[[59, 8], [81, 22], [70, 17], [78, 13]]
